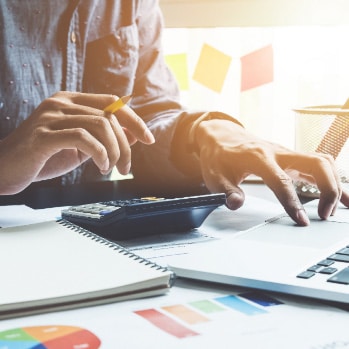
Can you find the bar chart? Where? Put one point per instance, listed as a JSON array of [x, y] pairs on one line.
[[183, 320]]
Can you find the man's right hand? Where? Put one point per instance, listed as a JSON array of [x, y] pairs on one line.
[[63, 132]]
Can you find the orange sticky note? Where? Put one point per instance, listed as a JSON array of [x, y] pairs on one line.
[[257, 68], [212, 68]]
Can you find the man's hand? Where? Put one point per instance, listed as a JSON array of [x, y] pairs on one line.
[[63, 132], [228, 154]]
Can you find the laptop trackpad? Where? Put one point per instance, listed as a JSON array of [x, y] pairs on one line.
[[319, 234]]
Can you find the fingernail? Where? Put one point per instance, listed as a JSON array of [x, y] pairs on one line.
[[149, 136], [105, 167], [124, 170], [127, 168], [106, 172], [302, 217]]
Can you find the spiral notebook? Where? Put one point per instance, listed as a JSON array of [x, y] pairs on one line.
[[57, 265]]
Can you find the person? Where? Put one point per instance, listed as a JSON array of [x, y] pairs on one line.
[[63, 62]]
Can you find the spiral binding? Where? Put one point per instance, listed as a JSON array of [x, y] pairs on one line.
[[114, 246]]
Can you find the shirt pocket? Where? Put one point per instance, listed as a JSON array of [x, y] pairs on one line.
[[111, 62]]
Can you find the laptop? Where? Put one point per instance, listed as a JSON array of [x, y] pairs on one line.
[[279, 256]]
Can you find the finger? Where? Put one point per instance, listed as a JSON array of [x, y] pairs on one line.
[[322, 169], [123, 161], [235, 197], [135, 125], [217, 182], [107, 131], [75, 103], [61, 163], [282, 186], [93, 100], [345, 198], [128, 118], [328, 183], [131, 139], [78, 138], [94, 104]]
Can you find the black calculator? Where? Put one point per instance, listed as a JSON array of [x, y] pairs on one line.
[[123, 219]]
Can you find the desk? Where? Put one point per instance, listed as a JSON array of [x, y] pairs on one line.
[[201, 321]]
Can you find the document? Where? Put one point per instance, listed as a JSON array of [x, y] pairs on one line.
[[195, 316], [57, 265]]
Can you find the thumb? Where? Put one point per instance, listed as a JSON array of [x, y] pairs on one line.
[[218, 182], [235, 198]]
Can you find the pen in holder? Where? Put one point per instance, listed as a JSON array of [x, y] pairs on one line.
[[323, 129]]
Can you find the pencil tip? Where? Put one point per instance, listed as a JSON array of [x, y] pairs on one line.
[[126, 99]]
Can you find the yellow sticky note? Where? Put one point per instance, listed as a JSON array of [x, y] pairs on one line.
[[179, 67], [212, 68]]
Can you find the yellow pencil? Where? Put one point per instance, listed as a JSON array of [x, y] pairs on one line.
[[112, 108]]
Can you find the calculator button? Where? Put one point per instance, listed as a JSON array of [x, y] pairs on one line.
[[108, 210], [85, 214]]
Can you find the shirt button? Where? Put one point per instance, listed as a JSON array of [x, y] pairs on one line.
[[73, 37]]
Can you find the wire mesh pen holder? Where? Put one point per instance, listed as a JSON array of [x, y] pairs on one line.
[[323, 129]]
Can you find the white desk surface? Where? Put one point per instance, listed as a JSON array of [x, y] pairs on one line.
[[201, 321]]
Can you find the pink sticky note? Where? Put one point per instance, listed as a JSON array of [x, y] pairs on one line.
[[257, 68]]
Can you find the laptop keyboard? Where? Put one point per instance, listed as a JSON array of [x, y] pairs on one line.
[[336, 265]]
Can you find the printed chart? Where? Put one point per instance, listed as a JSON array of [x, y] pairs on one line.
[[49, 337], [179, 320]]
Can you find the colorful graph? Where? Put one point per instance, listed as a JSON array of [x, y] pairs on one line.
[[49, 337], [179, 320]]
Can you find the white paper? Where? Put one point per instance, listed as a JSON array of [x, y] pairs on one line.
[[220, 224], [292, 324]]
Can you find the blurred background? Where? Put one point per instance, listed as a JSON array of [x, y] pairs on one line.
[[259, 59]]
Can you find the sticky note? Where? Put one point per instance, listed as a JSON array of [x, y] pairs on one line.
[[179, 66], [212, 68], [257, 68]]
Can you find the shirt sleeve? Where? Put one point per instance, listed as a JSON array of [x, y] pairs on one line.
[[165, 165], [157, 101]]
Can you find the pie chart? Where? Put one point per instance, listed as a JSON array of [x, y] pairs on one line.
[[49, 337]]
